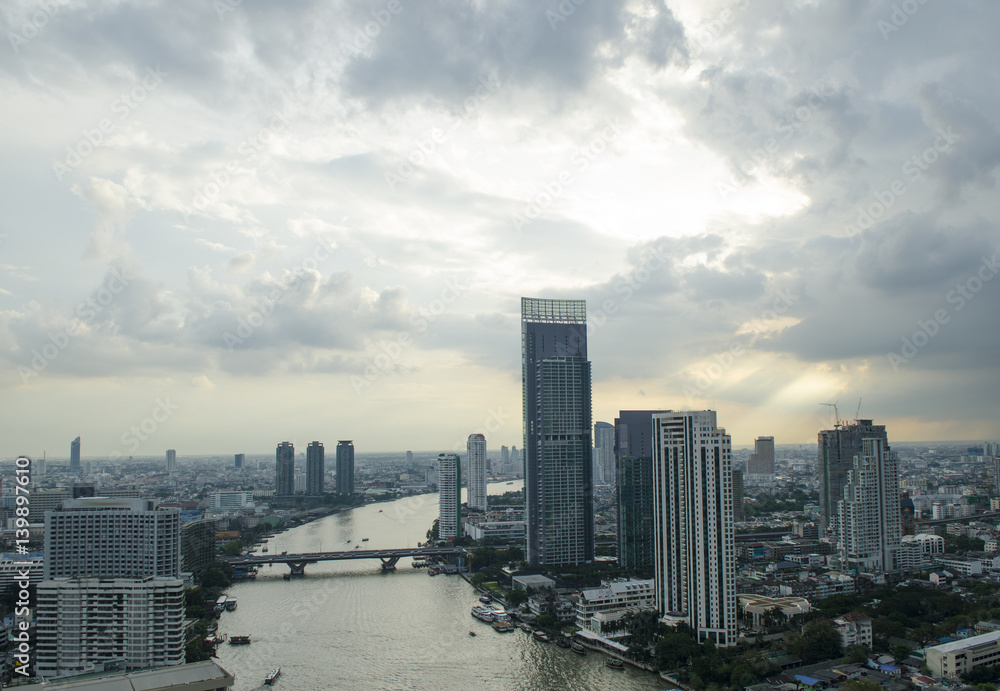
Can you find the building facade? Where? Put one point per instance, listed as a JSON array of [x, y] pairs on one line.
[[112, 538], [284, 469], [556, 398], [635, 488], [604, 453], [171, 461], [238, 460], [315, 469], [695, 569], [951, 660], [869, 523], [835, 460], [612, 596], [738, 515], [449, 496], [83, 622], [476, 464], [345, 467]]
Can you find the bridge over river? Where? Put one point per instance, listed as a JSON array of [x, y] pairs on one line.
[[388, 557]]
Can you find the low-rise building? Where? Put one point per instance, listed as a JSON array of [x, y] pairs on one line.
[[958, 657], [854, 628], [612, 596], [755, 607]]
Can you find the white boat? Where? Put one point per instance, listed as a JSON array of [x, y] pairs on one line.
[[272, 675]]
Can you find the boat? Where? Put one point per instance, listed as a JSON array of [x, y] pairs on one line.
[[348, 542], [562, 642], [472, 633], [239, 640], [577, 648], [502, 625], [272, 675], [231, 604], [286, 576], [380, 510], [486, 599], [364, 539], [264, 549], [614, 663], [541, 636], [511, 482], [357, 546], [483, 614], [524, 627]]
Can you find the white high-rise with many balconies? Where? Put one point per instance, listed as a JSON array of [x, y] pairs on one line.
[[449, 496], [476, 447], [695, 561], [869, 510]]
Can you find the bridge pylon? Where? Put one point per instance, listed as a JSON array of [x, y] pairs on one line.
[[389, 564]]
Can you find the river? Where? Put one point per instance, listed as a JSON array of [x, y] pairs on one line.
[[345, 625]]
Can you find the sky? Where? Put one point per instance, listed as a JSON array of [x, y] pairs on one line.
[[227, 223]]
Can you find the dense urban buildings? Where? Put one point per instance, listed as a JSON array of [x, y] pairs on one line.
[[869, 513], [345, 467], [604, 453], [635, 489], [171, 461], [695, 570], [74, 456], [449, 496], [284, 469], [761, 464], [835, 459], [556, 396], [476, 463], [315, 471]]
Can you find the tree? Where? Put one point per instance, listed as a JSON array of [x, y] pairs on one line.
[[900, 651], [233, 548], [858, 654], [818, 641], [517, 597]]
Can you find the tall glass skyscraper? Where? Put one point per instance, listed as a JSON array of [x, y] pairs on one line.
[[314, 468], [74, 457], [558, 448], [345, 467], [284, 469], [633, 446], [604, 453]]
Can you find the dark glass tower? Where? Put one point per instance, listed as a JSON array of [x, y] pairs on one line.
[[345, 467], [284, 469], [634, 462], [314, 468], [555, 375]]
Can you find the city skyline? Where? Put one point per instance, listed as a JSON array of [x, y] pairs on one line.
[[354, 237]]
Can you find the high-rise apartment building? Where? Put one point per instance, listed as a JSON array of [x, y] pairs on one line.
[[171, 461], [345, 467], [835, 459], [505, 460], [284, 469], [111, 588], [869, 513], [604, 453], [695, 570], [315, 469], [99, 537], [556, 380], [634, 459], [476, 462], [516, 460], [409, 457], [238, 460], [74, 457], [449, 496], [761, 463]]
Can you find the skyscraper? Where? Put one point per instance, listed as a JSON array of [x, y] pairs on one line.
[[239, 459], [476, 447], [869, 513], [111, 587], [409, 457], [314, 469], [695, 571], [504, 459], [449, 496], [171, 461], [284, 469], [345, 467], [604, 453], [634, 460], [74, 457], [835, 459], [556, 377], [761, 464], [515, 460]]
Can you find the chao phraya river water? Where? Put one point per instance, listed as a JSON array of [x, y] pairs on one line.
[[348, 626]]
